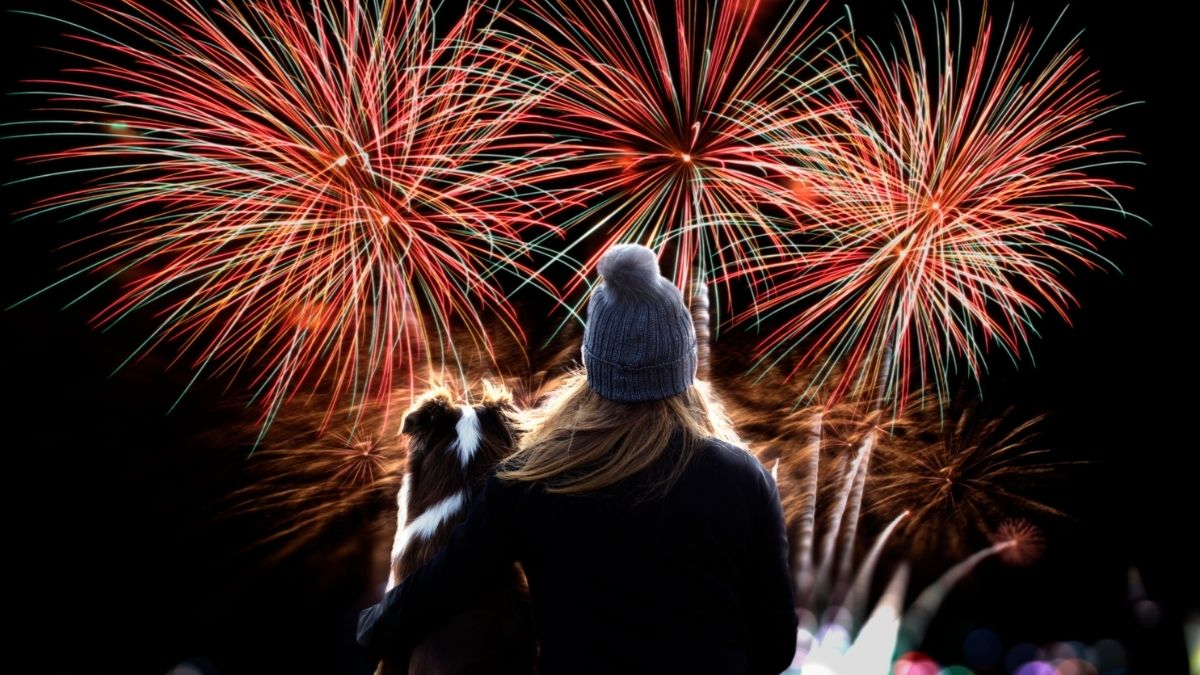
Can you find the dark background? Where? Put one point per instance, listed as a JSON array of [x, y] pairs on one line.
[[120, 564]]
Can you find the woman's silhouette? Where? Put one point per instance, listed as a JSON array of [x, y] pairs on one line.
[[651, 541]]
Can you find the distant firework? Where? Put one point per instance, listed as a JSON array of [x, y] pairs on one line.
[[303, 482], [959, 480], [1024, 540]]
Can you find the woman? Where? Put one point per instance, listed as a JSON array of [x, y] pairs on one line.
[[651, 543]]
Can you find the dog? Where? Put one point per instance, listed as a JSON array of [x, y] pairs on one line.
[[452, 446]]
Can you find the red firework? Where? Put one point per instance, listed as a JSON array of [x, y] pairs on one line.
[[314, 192], [959, 197], [669, 122]]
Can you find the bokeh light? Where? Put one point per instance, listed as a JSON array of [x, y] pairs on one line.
[[1148, 613], [1058, 651], [982, 648], [1020, 654], [915, 663], [1074, 667], [1111, 655], [1036, 668]]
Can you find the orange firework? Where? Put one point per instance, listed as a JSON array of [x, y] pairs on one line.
[[957, 479]]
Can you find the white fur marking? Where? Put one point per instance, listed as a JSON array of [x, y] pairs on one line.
[[401, 539], [426, 524], [468, 434]]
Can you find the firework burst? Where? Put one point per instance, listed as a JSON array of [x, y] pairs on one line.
[[666, 121], [304, 483], [958, 479], [311, 193], [949, 215], [1024, 541]]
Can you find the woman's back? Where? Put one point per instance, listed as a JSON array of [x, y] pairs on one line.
[[694, 581]]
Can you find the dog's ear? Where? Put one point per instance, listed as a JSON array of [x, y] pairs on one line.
[[412, 422], [434, 405], [499, 423], [498, 404], [496, 395]]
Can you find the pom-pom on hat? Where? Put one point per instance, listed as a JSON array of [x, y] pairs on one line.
[[639, 343]]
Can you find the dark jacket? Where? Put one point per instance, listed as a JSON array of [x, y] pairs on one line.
[[694, 582]]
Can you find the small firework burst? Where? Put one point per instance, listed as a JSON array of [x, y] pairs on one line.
[[363, 460], [1024, 542]]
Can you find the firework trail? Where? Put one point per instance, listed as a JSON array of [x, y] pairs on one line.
[[312, 193], [667, 121], [808, 508], [833, 607], [851, 496], [916, 619], [959, 198], [702, 323]]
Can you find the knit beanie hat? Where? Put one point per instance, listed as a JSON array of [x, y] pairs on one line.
[[639, 343]]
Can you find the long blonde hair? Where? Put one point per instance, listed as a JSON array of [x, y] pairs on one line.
[[579, 442]]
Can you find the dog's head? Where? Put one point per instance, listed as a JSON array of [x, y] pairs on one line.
[[452, 445], [455, 443]]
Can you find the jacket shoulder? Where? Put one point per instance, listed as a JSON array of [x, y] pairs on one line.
[[734, 460], [725, 451]]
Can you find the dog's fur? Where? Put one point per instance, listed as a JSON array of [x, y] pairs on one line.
[[451, 448]]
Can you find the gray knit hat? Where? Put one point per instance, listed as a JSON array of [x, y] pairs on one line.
[[639, 343]]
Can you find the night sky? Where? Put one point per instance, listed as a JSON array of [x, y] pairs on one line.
[[119, 561]]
